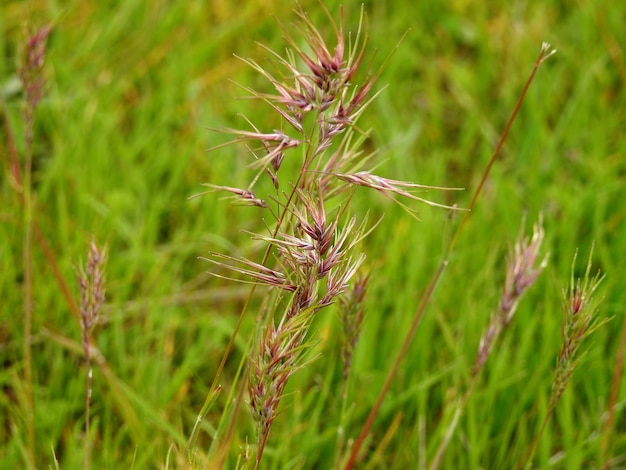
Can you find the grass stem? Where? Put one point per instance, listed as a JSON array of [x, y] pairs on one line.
[[425, 300], [32, 80]]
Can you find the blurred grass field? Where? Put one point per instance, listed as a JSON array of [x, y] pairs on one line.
[[120, 139]]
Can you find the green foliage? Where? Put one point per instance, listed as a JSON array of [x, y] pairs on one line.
[[119, 148]]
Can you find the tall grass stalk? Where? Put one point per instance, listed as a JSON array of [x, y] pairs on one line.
[[544, 54], [91, 282], [523, 269], [312, 250], [579, 321], [32, 77]]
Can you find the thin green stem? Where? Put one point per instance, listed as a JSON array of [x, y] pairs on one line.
[[455, 421], [341, 429]]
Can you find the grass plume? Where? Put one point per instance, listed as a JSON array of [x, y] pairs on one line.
[[579, 321], [523, 268], [315, 238], [91, 283], [32, 77]]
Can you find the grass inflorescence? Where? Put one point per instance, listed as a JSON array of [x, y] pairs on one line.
[[312, 250]]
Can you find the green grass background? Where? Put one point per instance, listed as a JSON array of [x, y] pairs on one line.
[[120, 145]]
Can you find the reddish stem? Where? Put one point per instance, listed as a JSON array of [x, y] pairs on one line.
[[421, 308]]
